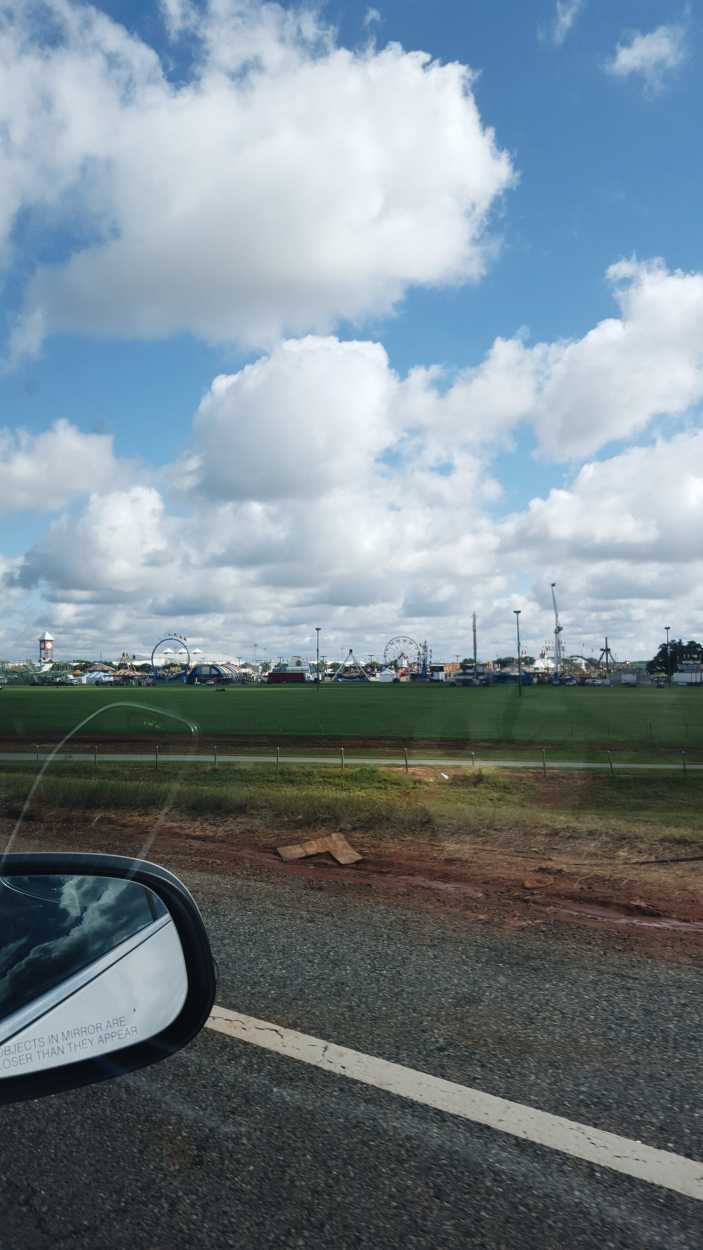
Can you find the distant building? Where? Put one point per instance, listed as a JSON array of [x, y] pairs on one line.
[[290, 672]]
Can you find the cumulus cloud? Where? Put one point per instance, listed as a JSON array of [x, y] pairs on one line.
[[653, 57], [43, 472], [627, 370], [565, 15], [308, 487], [312, 415], [107, 551], [485, 402], [609, 385], [178, 16], [644, 505], [624, 541], [318, 413], [321, 485], [286, 184], [415, 552]]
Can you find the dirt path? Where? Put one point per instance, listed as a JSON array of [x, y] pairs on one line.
[[655, 907]]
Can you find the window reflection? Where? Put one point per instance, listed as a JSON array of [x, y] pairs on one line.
[[54, 926]]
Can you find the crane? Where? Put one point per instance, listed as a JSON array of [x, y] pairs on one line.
[[557, 636]]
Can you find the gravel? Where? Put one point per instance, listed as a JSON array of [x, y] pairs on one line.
[[228, 1145]]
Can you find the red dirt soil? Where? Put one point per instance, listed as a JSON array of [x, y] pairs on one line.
[[653, 908]]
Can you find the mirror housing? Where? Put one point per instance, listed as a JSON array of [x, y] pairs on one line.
[[166, 939]]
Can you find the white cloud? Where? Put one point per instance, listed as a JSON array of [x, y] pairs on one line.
[[627, 370], [486, 402], [577, 394], [43, 472], [414, 553], [312, 415], [287, 184], [232, 35], [109, 551], [178, 16], [317, 413], [565, 15], [644, 505], [321, 486], [581, 394], [624, 542], [653, 56], [287, 505]]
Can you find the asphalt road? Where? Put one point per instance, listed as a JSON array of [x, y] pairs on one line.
[[229, 1145]]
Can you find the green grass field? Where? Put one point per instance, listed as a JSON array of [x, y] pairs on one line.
[[566, 718]]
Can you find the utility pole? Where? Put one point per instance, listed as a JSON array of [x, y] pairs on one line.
[[519, 657], [317, 653], [557, 637], [473, 627], [668, 656]]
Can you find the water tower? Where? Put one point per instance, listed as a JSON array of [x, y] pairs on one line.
[[46, 648]]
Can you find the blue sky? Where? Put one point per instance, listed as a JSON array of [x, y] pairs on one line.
[[605, 168]]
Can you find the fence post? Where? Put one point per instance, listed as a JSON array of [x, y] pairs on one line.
[[278, 758], [214, 755], [36, 752], [405, 757], [473, 759], [95, 756], [341, 756], [156, 755], [544, 762], [683, 762], [610, 761]]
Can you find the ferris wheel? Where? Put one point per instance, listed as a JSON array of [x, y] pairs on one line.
[[401, 652], [180, 653]]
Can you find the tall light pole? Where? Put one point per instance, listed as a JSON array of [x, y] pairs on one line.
[[668, 656], [317, 652], [519, 657]]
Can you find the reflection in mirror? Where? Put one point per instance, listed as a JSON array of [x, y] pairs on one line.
[[88, 965]]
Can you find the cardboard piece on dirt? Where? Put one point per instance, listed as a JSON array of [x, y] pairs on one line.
[[342, 851], [334, 843], [298, 850]]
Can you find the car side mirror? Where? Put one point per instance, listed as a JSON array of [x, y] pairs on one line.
[[105, 967]]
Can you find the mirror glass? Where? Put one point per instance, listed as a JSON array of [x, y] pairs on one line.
[[88, 965]]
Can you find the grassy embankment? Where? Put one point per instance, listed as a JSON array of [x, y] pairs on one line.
[[614, 812]]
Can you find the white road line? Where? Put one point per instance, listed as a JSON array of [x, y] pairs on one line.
[[620, 1154]]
